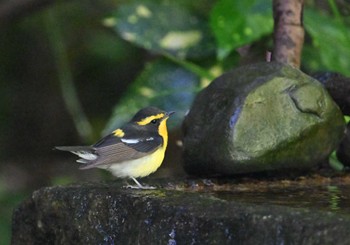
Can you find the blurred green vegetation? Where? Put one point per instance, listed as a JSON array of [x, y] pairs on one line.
[[74, 69], [7, 202], [187, 42]]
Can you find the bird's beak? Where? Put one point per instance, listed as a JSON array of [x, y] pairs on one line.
[[168, 114]]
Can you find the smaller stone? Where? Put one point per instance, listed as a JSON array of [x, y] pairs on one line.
[[261, 117]]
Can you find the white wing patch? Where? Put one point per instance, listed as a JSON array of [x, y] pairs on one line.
[[85, 155], [134, 141], [130, 141]]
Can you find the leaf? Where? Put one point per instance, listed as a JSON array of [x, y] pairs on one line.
[[347, 119], [236, 23], [162, 84], [164, 27], [334, 162], [330, 40]]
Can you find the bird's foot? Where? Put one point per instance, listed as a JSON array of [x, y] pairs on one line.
[[141, 187], [138, 186]]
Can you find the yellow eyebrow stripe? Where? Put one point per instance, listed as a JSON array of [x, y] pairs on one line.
[[119, 133], [147, 120]]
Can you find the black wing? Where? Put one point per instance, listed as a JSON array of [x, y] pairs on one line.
[[113, 149]]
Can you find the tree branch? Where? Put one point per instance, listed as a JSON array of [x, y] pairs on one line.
[[288, 31]]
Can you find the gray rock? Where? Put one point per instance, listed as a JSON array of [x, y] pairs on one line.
[[107, 214], [343, 152], [338, 87], [261, 117]]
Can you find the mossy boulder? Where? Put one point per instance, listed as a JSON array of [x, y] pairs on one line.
[[266, 116]]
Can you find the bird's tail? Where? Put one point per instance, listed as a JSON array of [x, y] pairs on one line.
[[87, 154]]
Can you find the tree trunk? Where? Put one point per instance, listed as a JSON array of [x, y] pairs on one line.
[[288, 31]]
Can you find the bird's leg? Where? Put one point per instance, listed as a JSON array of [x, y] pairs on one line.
[[139, 186]]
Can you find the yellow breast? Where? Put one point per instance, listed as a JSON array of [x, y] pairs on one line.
[[139, 167]]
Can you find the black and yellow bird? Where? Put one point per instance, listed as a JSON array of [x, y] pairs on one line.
[[135, 150]]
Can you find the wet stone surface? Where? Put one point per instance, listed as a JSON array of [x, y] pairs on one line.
[[189, 211]]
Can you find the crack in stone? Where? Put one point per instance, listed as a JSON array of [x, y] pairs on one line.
[[299, 108], [289, 91]]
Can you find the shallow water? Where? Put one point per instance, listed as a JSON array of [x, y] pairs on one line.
[[327, 198]]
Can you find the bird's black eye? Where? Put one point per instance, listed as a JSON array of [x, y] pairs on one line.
[[154, 121]]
